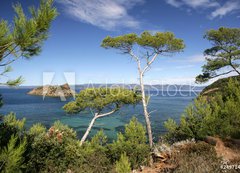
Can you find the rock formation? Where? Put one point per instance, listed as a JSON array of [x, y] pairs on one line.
[[53, 91]]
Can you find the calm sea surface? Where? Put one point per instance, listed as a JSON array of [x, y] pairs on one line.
[[163, 104]]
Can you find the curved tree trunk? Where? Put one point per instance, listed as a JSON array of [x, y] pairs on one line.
[[88, 130], [96, 116]]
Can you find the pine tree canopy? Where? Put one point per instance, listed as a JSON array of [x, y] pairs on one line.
[[100, 99], [160, 42], [224, 55]]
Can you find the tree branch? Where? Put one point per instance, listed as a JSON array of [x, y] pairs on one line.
[[133, 55], [106, 114], [222, 74], [235, 69], [149, 63], [9, 62], [96, 116], [10, 52]]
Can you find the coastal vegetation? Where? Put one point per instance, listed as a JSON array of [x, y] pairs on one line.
[[205, 136], [213, 115], [57, 149]]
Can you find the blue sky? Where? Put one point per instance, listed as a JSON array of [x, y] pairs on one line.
[[76, 35]]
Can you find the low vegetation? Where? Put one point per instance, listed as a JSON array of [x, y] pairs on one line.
[[217, 115], [58, 149]]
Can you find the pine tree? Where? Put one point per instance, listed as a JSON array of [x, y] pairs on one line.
[[24, 36], [149, 47], [101, 102], [223, 57]]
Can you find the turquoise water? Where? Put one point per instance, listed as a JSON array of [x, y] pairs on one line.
[[163, 104]]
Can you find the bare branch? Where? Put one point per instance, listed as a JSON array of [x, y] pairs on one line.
[[133, 55], [235, 69], [151, 112], [149, 63], [9, 62], [96, 116], [223, 74], [105, 114]]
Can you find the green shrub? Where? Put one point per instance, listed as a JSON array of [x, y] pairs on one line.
[[37, 129], [123, 165], [11, 156], [133, 142], [11, 126], [53, 151], [95, 155], [209, 116]]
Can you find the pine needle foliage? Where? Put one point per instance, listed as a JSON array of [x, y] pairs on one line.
[[100, 99], [11, 156], [133, 142], [224, 55], [123, 165], [24, 36]]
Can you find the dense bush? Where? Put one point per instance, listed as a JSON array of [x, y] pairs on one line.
[[54, 150], [133, 142], [209, 115], [95, 155]]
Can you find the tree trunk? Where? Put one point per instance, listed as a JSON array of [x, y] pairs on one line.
[[96, 116], [88, 130], [146, 114]]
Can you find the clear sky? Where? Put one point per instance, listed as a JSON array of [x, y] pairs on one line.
[[76, 35]]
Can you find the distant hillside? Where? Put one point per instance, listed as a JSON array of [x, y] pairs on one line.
[[166, 87], [217, 86]]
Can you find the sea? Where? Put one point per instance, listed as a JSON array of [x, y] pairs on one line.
[[36, 109]]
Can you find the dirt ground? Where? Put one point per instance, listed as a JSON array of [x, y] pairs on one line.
[[227, 150]]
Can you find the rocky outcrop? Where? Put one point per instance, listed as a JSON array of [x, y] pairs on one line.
[[53, 91]]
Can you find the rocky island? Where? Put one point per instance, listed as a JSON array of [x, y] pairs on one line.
[[53, 91]]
